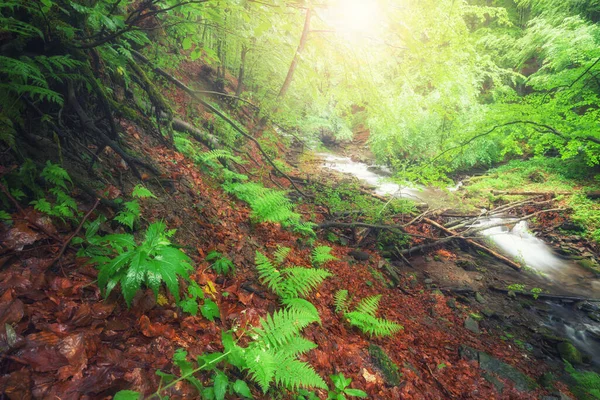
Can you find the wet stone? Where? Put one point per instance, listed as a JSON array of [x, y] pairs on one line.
[[451, 303], [428, 281], [479, 298], [390, 371], [472, 325], [467, 265]]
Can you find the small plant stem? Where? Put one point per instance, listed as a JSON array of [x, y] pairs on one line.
[[185, 376]]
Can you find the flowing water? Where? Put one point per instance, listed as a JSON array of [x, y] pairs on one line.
[[516, 243]]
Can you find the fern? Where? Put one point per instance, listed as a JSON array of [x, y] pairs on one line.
[[219, 154], [289, 282], [281, 254], [56, 175], [321, 255], [364, 316], [267, 204], [63, 206], [272, 357], [341, 301], [302, 305], [141, 192]]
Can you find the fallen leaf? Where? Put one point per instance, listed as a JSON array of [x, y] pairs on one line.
[[19, 236], [73, 349], [153, 330], [17, 385], [11, 309]]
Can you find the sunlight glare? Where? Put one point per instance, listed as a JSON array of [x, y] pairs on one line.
[[354, 18]]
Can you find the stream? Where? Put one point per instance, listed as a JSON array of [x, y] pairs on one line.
[[516, 242]]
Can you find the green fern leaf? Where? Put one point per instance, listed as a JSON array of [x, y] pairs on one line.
[[281, 254], [302, 305], [341, 301], [278, 329], [369, 305], [261, 365], [300, 281], [268, 274], [141, 192], [321, 255], [293, 374]]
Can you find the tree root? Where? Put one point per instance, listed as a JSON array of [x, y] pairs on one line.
[[89, 125], [193, 94]]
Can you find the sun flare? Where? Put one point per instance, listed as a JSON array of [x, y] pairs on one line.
[[354, 18]]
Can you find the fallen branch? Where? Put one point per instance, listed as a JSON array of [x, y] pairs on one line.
[[517, 193], [193, 94], [473, 243], [545, 296]]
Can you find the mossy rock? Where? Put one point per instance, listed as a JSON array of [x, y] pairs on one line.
[[389, 369], [590, 265], [569, 353]]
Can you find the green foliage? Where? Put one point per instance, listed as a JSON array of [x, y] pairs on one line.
[[273, 356], [364, 315], [149, 263], [63, 205], [321, 255], [519, 287], [220, 263], [341, 301], [341, 389], [131, 211], [587, 383], [289, 282]]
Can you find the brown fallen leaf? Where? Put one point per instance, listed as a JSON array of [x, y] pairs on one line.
[[43, 358], [19, 236], [17, 385], [73, 349], [153, 330], [11, 309]]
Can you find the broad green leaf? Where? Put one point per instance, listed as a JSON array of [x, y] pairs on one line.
[[127, 395], [221, 383], [356, 393], [210, 310], [241, 388]]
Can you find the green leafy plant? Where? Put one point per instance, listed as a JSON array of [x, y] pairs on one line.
[[269, 205], [517, 287], [63, 205], [271, 357], [341, 389], [536, 292], [131, 209], [221, 264], [364, 315], [341, 301], [149, 263], [288, 282], [321, 255]]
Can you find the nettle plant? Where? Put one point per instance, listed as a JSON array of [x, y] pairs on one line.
[[131, 264], [364, 315]]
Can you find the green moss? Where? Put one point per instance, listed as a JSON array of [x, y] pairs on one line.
[[388, 368], [569, 353]]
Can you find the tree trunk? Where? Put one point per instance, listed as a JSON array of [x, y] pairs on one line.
[[238, 89], [301, 45]]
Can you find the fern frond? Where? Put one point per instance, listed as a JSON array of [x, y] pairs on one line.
[[279, 328], [294, 374], [281, 254], [261, 364], [372, 325], [300, 281], [268, 274], [341, 301], [321, 255], [303, 306], [219, 154], [369, 305], [296, 346]]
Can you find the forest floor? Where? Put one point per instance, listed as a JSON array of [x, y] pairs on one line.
[[61, 339]]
